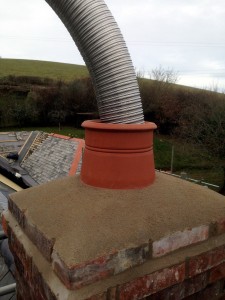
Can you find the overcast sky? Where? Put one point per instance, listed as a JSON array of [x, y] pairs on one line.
[[187, 36]]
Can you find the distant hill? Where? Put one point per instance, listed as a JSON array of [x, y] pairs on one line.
[[53, 70]]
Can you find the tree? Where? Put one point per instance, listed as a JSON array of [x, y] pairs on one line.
[[59, 110], [32, 109], [164, 76], [17, 113], [158, 97], [57, 116], [202, 122]]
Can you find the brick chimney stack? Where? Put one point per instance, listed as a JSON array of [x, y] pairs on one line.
[[75, 241], [120, 231]]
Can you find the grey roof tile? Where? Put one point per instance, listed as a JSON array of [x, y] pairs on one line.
[[52, 159]]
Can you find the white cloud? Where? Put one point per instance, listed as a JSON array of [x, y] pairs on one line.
[[184, 35]]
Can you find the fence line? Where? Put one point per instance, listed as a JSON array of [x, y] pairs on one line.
[[190, 179]]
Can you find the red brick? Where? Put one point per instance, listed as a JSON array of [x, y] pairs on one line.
[[217, 273], [83, 274], [39, 285], [182, 290], [32, 285], [220, 225], [77, 276], [205, 261], [60, 136], [196, 284], [25, 290], [199, 264], [22, 260], [180, 239], [153, 283], [175, 292], [77, 157], [218, 255], [44, 244], [128, 258], [211, 292], [16, 212]]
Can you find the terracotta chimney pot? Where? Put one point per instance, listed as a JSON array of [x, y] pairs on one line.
[[118, 156]]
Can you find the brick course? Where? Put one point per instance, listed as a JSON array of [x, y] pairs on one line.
[[180, 239], [30, 283], [197, 277], [44, 244], [217, 273], [173, 283], [220, 225], [197, 288], [153, 283], [77, 276], [205, 261]]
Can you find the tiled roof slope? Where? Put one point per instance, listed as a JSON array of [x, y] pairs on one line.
[[52, 159], [12, 141]]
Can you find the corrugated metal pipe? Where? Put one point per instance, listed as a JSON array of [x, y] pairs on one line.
[[100, 42]]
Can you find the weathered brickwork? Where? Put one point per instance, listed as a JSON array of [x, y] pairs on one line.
[[211, 292], [220, 226], [183, 290], [199, 277], [86, 273], [205, 261], [179, 240], [195, 277], [30, 283], [79, 275], [217, 273], [152, 283], [18, 214], [44, 244]]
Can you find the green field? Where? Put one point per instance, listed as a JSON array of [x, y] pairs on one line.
[[53, 70], [196, 162]]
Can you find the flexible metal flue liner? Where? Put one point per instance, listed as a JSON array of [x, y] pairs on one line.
[[104, 51]]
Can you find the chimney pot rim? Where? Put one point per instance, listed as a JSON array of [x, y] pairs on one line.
[[97, 124]]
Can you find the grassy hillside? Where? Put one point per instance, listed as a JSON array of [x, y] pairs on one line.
[[54, 70]]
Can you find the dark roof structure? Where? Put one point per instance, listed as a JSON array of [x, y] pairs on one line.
[[52, 159], [29, 159], [12, 141], [41, 157]]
